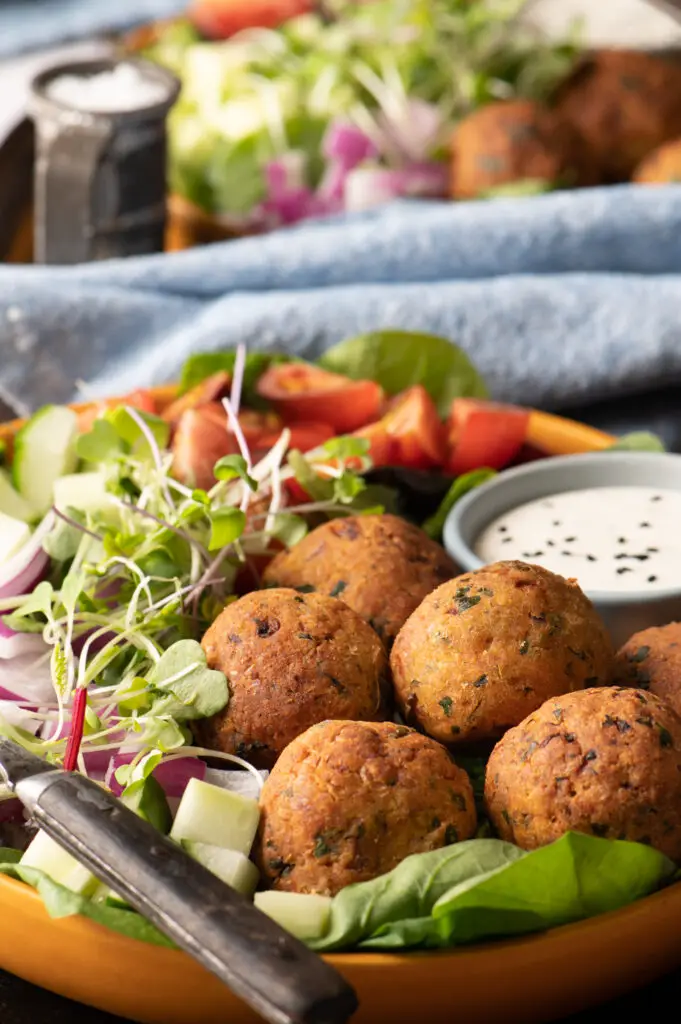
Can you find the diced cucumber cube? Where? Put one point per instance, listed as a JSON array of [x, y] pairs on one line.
[[231, 866], [106, 895], [47, 856], [208, 814], [13, 535], [44, 450], [307, 916], [11, 502], [83, 491]]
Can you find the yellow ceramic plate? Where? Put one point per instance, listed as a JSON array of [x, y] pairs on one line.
[[540, 978]]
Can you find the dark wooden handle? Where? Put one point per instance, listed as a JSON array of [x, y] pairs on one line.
[[277, 975]]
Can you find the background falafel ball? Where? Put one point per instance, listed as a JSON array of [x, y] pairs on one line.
[[662, 166], [290, 660], [514, 140], [379, 565], [625, 103], [651, 660], [348, 801], [603, 761], [487, 648]]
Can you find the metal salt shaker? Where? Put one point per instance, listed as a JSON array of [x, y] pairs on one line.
[[100, 178]]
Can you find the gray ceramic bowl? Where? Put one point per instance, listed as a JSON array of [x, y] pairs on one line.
[[624, 613]]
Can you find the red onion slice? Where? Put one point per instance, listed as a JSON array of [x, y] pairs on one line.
[[23, 570]]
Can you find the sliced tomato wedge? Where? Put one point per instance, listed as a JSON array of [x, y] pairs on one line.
[[484, 434], [306, 394], [200, 440], [219, 19], [410, 434], [140, 399], [209, 390]]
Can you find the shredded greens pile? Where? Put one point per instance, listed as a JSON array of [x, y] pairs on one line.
[[402, 72]]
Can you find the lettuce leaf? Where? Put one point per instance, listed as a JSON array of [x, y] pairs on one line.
[[485, 889], [399, 359]]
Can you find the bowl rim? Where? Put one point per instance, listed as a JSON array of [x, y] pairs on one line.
[[464, 555]]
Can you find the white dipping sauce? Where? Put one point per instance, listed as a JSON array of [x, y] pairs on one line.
[[607, 538], [125, 87]]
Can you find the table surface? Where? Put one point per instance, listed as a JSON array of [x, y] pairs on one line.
[[21, 1003]]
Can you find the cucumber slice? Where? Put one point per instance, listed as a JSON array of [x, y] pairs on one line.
[[232, 867], [305, 915], [47, 856], [83, 491], [13, 535], [44, 450], [103, 894], [11, 502], [208, 814]]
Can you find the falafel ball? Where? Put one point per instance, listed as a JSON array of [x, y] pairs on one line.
[[487, 648], [291, 660], [603, 761], [651, 660], [348, 801], [516, 140], [625, 103], [661, 167], [379, 565]]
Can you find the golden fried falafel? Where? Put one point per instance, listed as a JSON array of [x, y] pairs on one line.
[[662, 166], [487, 648], [348, 801], [625, 103], [651, 660], [379, 565], [291, 660], [603, 761], [514, 140]]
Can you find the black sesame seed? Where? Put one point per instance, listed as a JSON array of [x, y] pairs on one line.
[[652, 579], [570, 540], [591, 558], [621, 540], [644, 525], [550, 544], [653, 551], [566, 552], [503, 529], [658, 497], [557, 522], [622, 569]]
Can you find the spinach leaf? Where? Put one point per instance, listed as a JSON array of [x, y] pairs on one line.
[[576, 877], [399, 359], [485, 888], [411, 891], [638, 441], [462, 485], [61, 902]]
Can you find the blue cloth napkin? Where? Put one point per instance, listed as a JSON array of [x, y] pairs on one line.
[[32, 24], [558, 299]]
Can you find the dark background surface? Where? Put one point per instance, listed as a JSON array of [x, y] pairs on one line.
[[21, 1003]]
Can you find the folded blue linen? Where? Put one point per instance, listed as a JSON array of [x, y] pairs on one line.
[[33, 24], [558, 299]]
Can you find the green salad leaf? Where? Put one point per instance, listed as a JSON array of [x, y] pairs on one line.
[[185, 687], [638, 441], [485, 888], [461, 486], [399, 359], [61, 902]]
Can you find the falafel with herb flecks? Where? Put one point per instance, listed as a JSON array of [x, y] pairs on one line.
[[379, 565], [291, 660], [348, 801], [651, 660], [603, 761], [487, 648]]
